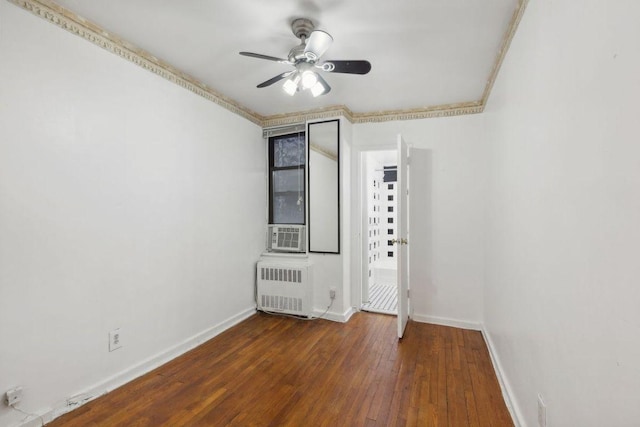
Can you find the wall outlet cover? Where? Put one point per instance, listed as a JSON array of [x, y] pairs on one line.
[[13, 396], [115, 341]]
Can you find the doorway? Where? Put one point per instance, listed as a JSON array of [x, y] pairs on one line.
[[379, 204]]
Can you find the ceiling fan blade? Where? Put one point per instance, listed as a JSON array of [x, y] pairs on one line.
[[267, 57], [275, 79], [348, 67], [317, 44]]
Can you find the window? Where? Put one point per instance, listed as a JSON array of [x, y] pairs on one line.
[[390, 231], [390, 197], [390, 220], [287, 158], [390, 254], [389, 242], [390, 186], [390, 209]]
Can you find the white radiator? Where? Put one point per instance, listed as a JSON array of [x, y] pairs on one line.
[[285, 287]]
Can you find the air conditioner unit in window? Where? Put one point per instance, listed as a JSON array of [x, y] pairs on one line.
[[286, 238]]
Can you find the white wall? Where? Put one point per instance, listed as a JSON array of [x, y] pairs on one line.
[[562, 294], [447, 178], [117, 189]]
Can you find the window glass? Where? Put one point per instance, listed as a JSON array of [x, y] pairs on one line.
[[287, 179], [288, 196], [288, 151]]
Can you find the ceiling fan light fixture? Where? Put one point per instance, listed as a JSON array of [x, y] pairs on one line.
[[318, 89], [290, 85], [317, 44], [309, 79]]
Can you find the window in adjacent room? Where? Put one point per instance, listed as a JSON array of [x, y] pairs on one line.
[[287, 179]]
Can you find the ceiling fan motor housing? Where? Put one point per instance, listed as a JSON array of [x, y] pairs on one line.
[[302, 27]]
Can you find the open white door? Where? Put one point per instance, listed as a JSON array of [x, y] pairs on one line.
[[402, 219]]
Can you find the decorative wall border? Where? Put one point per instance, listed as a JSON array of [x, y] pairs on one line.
[[448, 110], [506, 43], [303, 116], [75, 24]]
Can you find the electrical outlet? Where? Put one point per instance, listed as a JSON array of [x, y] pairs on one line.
[[542, 412], [115, 341], [13, 396], [332, 293]]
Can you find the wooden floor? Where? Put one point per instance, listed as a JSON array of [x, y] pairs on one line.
[[277, 371]]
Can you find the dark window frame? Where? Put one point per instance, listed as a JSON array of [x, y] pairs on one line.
[[273, 168]]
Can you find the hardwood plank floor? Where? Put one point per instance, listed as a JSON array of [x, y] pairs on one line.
[[278, 371]]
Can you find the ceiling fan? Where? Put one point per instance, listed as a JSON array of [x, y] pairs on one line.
[[305, 58]]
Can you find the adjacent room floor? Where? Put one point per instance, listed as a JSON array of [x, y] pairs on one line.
[[277, 371], [382, 299]]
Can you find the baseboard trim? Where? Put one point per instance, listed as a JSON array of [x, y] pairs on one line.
[[139, 369], [333, 316], [446, 321], [507, 391]]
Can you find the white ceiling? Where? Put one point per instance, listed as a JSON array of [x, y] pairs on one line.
[[424, 53]]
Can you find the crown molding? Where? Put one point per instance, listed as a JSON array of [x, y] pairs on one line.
[[447, 110], [75, 24], [303, 116], [506, 43]]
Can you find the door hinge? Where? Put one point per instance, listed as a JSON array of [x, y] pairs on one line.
[[408, 293]]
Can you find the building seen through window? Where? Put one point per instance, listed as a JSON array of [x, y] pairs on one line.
[[287, 159]]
